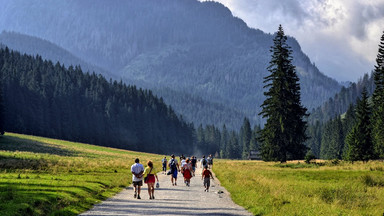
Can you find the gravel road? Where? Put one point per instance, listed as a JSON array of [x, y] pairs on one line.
[[172, 200]]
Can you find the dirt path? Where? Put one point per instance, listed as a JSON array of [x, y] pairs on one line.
[[172, 200]]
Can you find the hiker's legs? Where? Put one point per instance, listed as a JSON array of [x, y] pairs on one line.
[[149, 190], [153, 190]]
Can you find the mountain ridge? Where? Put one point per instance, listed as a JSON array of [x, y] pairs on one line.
[[194, 47]]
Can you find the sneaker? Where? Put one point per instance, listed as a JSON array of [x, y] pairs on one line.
[[205, 190], [138, 197], [153, 197], [150, 197], [173, 184], [135, 195]]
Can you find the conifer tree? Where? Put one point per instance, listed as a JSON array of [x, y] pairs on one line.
[[1, 105], [283, 136], [359, 140], [246, 137], [254, 145], [378, 102], [224, 142]]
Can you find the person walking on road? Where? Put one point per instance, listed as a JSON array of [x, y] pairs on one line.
[[149, 179], [164, 162], [187, 172], [193, 163], [174, 166], [206, 175], [203, 162], [137, 170], [210, 161]]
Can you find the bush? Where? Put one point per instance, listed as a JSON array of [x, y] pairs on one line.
[[309, 156]]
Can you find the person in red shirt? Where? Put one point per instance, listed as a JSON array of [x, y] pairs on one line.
[[206, 175]]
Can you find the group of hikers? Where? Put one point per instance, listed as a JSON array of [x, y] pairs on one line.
[[187, 168]]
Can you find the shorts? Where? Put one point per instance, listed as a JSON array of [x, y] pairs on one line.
[[194, 169], [207, 182], [174, 173], [138, 183]]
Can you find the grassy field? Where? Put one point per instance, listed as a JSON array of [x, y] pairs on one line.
[[296, 188], [41, 176]]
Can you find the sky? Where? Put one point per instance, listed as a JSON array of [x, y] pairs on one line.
[[340, 36]]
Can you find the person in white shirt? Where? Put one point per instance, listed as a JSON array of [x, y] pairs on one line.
[[137, 170]]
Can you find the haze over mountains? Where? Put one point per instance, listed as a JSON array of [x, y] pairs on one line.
[[206, 63]]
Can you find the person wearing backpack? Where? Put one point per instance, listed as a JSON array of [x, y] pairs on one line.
[[149, 178], [210, 161], [203, 162], [206, 175], [193, 163], [164, 162], [174, 166]]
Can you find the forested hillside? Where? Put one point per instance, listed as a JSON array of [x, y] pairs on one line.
[[183, 45], [46, 99], [47, 50], [340, 102]]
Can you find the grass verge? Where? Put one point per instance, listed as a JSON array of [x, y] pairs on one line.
[[266, 188], [41, 176]]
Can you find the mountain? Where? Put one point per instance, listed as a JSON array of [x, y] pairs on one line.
[[341, 101], [46, 99], [47, 50], [198, 48]]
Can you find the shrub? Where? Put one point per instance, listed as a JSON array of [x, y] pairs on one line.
[[309, 156]]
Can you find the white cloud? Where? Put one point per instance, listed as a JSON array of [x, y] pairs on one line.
[[340, 36]]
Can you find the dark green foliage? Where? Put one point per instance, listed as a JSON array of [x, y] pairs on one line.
[[254, 144], [332, 141], [359, 140], [378, 102], [314, 140], [49, 100], [339, 104], [309, 156], [246, 134], [284, 135], [2, 125]]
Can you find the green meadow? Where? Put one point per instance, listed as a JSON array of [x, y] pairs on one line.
[[41, 176], [296, 188]]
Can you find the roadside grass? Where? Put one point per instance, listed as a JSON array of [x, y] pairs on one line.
[[42, 176], [296, 188]]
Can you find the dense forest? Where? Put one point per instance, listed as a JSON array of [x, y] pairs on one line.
[[198, 49], [356, 134], [46, 99]]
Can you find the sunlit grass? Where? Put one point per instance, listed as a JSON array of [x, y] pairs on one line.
[[328, 188], [41, 176]]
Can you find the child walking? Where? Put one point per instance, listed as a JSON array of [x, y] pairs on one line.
[[206, 175]]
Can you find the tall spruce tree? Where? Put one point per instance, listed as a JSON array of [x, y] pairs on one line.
[[283, 136], [359, 140], [378, 102], [246, 137]]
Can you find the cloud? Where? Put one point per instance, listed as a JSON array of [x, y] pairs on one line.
[[340, 36]]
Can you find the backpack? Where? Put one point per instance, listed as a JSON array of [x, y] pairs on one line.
[[173, 164], [204, 162]]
